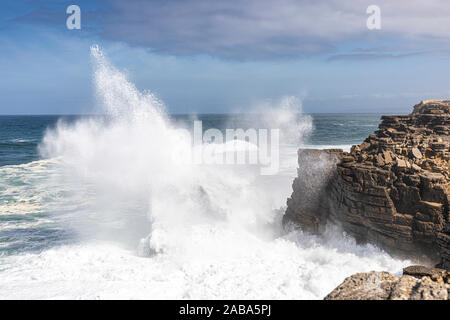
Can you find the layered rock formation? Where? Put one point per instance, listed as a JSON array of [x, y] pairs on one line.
[[392, 190], [417, 283]]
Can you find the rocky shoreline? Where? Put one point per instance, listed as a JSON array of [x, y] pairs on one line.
[[392, 190], [416, 283]]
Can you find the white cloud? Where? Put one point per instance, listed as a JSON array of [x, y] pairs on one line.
[[264, 28], [267, 28]]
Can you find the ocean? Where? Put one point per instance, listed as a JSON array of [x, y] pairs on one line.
[[20, 135], [94, 207]]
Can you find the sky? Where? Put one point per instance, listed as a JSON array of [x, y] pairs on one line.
[[205, 56]]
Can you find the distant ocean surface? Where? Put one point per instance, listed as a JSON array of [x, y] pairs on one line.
[[20, 135]]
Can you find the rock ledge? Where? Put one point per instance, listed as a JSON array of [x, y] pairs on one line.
[[392, 190], [417, 283]]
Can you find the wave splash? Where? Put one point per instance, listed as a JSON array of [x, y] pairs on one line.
[[130, 153], [217, 225]]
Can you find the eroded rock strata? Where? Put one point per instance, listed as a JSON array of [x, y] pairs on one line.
[[417, 283], [392, 190]]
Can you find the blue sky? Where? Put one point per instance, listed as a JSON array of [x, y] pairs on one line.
[[203, 56]]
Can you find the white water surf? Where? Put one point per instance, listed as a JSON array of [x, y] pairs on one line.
[[148, 228]]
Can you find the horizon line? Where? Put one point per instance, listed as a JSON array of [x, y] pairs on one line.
[[193, 114]]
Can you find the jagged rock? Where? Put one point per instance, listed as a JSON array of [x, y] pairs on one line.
[[411, 288], [315, 169], [387, 157], [416, 153], [364, 286], [435, 274], [384, 286], [401, 163], [392, 190], [380, 160]]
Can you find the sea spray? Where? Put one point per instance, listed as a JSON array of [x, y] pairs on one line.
[[130, 152], [208, 231]]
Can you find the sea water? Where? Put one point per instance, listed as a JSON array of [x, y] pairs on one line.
[[92, 207]]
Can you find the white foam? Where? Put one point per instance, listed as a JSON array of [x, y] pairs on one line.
[[220, 263], [208, 231]]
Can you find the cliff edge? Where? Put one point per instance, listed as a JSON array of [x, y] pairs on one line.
[[392, 190]]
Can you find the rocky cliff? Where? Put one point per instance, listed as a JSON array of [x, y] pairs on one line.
[[392, 190]]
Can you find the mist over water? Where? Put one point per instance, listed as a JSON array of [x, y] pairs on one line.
[[138, 224]]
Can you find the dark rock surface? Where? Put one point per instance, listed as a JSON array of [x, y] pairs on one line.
[[393, 190], [417, 283], [421, 271]]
